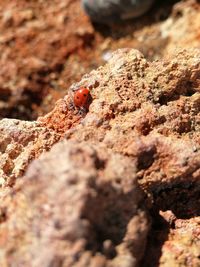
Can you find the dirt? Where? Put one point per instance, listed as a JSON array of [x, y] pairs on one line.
[[48, 45]]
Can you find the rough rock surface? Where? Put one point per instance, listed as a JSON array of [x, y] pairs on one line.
[[47, 45], [145, 110], [182, 246], [78, 205], [21, 142], [180, 30], [150, 112], [173, 241], [160, 96], [146, 117]]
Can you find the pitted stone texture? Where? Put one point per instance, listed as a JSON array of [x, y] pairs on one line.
[[169, 169], [179, 29], [78, 205], [182, 246], [173, 241], [137, 97], [149, 111], [21, 142]]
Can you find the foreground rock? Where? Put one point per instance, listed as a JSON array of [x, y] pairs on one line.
[[78, 205], [146, 112]]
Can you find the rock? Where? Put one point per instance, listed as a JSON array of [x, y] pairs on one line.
[[148, 111], [62, 44], [173, 241], [128, 87], [78, 205], [20, 143], [177, 28], [182, 246], [143, 115]]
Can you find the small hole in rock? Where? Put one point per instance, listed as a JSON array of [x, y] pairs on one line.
[[146, 158]]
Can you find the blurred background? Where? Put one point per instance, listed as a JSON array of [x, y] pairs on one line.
[[46, 45]]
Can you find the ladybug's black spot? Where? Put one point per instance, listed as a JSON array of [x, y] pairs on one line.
[[84, 95], [77, 97]]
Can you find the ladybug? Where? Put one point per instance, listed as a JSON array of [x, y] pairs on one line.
[[81, 99]]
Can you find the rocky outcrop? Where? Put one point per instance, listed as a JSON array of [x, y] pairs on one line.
[[160, 96], [148, 111], [80, 204]]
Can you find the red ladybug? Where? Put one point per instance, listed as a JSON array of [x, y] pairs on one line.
[[81, 98]]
